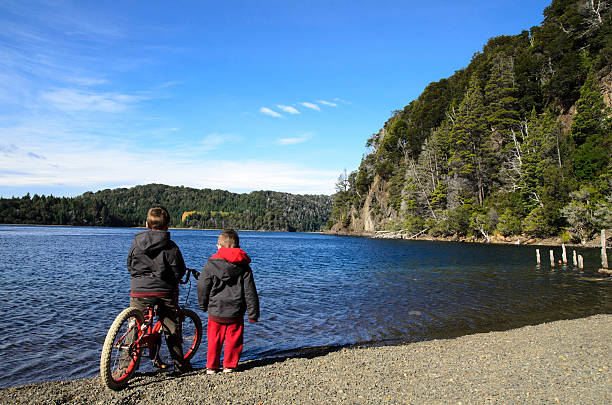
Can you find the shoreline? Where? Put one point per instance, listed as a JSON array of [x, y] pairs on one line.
[[566, 361], [170, 228], [594, 243]]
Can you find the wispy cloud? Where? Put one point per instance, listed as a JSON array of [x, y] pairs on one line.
[[86, 81], [57, 41], [288, 109], [294, 140], [8, 149], [214, 141], [271, 113], [66, 19], [327, 103], [35, 156], [12, 173], [72, 100], [292, 110], [169, 83], [87, 168], [312, 106]]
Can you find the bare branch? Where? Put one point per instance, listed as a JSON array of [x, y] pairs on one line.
[[421, 187], [596, 9], [535, 197]]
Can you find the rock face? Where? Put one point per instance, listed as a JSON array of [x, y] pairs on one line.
[[375, 211], [375, 195]]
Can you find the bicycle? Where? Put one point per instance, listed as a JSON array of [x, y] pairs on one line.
[[133, 332]]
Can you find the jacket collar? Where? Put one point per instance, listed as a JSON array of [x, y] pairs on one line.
[[232, 255]]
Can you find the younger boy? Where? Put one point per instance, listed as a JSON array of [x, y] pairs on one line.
[[226, 290], [156, 266]]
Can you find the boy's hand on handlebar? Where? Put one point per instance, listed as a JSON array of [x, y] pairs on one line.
[[189, 271]]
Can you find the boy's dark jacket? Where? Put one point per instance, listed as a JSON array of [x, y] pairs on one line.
[[155, 264], [226, 288]]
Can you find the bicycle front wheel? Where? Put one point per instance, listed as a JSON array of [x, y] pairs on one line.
[[120, 353], [192, 333]]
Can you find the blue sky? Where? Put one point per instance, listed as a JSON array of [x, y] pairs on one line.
[[232, 95]]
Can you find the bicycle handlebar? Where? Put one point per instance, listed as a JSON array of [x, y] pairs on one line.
[[196, 275]]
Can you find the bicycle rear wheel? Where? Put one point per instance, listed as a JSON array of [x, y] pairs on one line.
[[120, 355], [192, 333], [191, 328]]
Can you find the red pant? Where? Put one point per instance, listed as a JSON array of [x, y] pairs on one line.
[[232, 334]]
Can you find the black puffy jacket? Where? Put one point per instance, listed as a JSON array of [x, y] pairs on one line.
[[155, 263]]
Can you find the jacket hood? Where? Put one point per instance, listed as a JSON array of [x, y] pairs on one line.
[[153, 240], [232, 255], [228, 263]]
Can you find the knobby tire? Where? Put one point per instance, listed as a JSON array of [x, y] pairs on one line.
[[119, 359], [192, 333]]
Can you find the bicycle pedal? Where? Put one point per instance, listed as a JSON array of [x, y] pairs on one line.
[[160, 365]]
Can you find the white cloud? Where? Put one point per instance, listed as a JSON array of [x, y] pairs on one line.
[[72, 100], [327, 103], [214, 141], [312, 106], [288, 109], [58, 41], [294, 140], [86, 81], [339, 100], [80, 166], [169, 83], [35, 156], [271, 113], [8, 149]]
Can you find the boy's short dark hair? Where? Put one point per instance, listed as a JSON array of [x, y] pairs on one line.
[[229, 239], [158, 218]]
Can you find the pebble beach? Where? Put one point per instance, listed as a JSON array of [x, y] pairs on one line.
[[565, 362]]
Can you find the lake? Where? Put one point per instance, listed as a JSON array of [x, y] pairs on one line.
[[63, 286]]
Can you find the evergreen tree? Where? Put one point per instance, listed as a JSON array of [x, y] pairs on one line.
[[208, 208], [503, 118], [590, 132], [501, 97], [471, 155]]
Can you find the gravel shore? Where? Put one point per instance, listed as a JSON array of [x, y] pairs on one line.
[[566, 362]]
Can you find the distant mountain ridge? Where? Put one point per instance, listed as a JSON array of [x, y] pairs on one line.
[[205, 208]]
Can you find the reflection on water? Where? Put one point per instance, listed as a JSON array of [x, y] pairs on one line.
[[63, 286]]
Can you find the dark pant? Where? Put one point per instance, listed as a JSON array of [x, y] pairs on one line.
[[232, 335], [168, 316]]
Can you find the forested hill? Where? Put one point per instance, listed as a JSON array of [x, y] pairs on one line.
[[188, 207], [517, 143]]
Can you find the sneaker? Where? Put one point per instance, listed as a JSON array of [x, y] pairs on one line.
[[158, 363], [228, 370], [211, 371], [183, 368]]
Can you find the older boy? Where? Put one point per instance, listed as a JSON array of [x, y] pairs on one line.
[[156, 266], [226, 290]]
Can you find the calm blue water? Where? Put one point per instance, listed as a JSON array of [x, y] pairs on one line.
[[62, 287]]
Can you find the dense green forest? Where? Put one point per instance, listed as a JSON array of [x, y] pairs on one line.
[[213, 209], [517, 143]]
